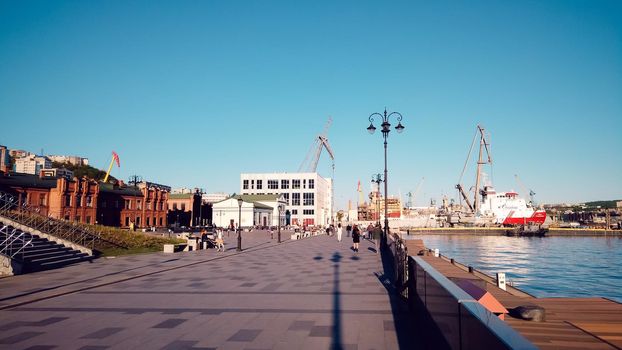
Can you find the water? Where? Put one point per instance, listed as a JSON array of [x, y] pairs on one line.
[[544, 267]]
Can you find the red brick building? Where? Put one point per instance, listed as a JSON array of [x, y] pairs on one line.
[[88, 201]]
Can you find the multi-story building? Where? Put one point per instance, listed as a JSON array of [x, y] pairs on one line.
[[18, 153], [57, 172], [75, 160], [5, 159], [211, 198], [88, 201], [32, 164], [308, 196], [184, 209]]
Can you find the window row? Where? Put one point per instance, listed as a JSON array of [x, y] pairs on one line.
[[274, 184]]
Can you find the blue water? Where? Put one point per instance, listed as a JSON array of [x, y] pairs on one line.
[[544, 267]]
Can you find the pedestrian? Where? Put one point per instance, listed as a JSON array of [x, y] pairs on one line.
[[220, 241], [370, 228], [356, 238], [376, 234], [339, 232], [348, 230]]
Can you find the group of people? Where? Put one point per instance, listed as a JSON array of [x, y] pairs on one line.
[[373, 232], [219, 239]]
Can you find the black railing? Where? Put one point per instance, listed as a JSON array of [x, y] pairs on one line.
[[24, 214], [458, 320]]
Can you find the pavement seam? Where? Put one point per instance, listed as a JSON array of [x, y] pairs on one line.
[[255, 248]]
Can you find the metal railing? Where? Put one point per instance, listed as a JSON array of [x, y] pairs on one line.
[[461, 321], [13, 243], [30, 217]]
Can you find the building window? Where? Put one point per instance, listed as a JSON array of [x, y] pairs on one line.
[[273, 184], [89, 201], [286, 197], [88, 219], [308, 212], [308, 199], [259, 184], [174, 206], [183, 206], [78, 201], [139, 204], [148, 220], [304, 183], [245, 184], [294, 211], [295, 184], [104, 204], [127, 221], [160, 221], [138, 221], [148, 207], [285, 184], [252, 184], [311, 184], [42, 199], [295, 198], [160, 206], [128, 204], [67, 201]]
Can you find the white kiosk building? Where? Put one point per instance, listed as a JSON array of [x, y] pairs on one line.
[[307, 196]]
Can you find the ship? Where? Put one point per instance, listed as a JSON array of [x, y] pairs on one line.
[[490, 206]]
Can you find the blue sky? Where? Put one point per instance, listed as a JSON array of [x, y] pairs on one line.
[[192, 93]]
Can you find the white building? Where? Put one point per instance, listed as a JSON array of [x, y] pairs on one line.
[[32, 164], [57, 172], [307, 196], [214, 197], [256, 210], [75, 160]]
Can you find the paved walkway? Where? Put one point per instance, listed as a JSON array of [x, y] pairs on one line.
[[308, 294]]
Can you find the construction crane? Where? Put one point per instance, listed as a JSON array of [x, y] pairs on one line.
[[532, 200], [115, 158], [484, 145], [313, 156], [411, 194]]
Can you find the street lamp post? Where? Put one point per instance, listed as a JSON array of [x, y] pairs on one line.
[[377, 179], [240, 201], [386, 128], [279, 225]]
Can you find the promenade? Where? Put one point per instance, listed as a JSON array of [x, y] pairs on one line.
[[313, 293]]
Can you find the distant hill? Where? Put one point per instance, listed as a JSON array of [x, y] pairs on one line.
[[84, 170], [602, 204]]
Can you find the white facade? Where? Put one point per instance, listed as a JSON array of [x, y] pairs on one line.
[[307, 196], [32, 164], [75, 160], [257, 210]]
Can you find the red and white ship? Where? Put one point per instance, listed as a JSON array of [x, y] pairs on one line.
[[507, 208]]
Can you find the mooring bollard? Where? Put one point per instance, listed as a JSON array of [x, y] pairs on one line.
[[470, 269], [436, 253], [452, 261]]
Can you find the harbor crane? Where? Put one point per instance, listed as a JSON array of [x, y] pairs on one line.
[[484, 145], [313, 156], [115, 158], [412, 195], [532, 199]]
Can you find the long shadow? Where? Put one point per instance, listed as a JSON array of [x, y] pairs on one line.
[[336, 331], [408, 336]]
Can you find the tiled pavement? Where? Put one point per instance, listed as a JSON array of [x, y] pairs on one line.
[[313, 293]]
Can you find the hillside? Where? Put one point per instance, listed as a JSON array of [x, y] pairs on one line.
[[84, 170]]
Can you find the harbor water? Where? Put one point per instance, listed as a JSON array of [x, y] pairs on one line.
[[542, 266]]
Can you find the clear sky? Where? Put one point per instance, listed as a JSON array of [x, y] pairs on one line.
[[192, 93]]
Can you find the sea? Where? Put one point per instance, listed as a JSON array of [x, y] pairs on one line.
[[541, 266]]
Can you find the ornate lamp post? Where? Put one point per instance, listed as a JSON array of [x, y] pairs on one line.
[[240, 201], [279, 225], [386, 128]]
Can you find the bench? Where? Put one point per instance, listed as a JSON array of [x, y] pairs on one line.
[[174, 248]]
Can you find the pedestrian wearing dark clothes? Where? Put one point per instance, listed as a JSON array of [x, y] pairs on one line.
[[377, 232], [348, 229], [356, 238]]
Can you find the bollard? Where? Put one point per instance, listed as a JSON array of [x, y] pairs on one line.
[[470, 269], [452, 261], [501, 280], [408, 232], [436, 253]]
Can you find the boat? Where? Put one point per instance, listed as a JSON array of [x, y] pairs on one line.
[[530, 230]]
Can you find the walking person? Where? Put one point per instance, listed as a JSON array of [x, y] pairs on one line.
[[356, 238], [370, 228], [376, 235], [348, 230], [339, 232], [220, 241]]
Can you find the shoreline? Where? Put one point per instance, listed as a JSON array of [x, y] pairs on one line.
[[501, 231]]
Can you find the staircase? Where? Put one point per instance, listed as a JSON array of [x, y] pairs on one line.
[[33, 253]]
